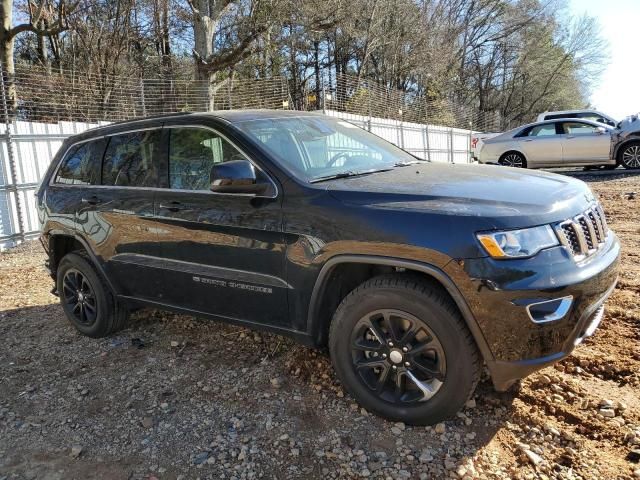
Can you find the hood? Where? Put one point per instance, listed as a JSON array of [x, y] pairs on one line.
[[505, 196], [631, 122]]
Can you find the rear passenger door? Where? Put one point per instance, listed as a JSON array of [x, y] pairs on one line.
[[541, 145], [117, 217], [222, 253]]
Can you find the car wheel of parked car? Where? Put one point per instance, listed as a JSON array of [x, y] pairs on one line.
[[629, 155], [86, 299], [400, 346], [513, 159]]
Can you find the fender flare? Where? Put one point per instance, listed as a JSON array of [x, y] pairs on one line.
[[428, 269]]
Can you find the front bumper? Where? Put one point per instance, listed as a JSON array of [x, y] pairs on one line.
[[498, 293]]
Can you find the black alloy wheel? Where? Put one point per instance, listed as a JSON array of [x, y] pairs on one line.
[[79, 296], [398, 356], [401, 348]]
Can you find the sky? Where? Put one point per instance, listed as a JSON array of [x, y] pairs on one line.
[[618, 93]]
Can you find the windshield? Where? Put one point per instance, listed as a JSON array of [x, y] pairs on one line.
[[319, 147]]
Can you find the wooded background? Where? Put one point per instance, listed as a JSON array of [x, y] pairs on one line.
[[480, 64]]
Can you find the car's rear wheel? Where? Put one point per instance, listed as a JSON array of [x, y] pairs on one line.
[[513, 159], [629, 156], [86, 299], [401, 348]]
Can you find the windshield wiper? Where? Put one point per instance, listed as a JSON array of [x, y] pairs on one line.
[[348, 173], [409, 163]]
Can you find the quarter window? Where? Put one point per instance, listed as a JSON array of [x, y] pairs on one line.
[[543, 130], [77, 167], [192, 153], [130, 159]]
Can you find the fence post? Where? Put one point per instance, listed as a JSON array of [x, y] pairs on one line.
[[450, 145], [13, 188], [144, 106], [425, 142]]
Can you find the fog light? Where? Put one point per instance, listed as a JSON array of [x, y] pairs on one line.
[[549, 310]]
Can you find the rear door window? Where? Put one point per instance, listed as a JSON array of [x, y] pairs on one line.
[[80, 166], [130, 159], [543, 130]]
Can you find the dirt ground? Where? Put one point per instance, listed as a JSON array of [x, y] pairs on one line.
[[177, 397]]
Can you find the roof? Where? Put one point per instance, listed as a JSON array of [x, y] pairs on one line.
[[230, 116]]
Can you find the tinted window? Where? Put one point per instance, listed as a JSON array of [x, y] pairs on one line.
[[77, 167], [596, 118], [575, 128], [543, 130], [130, 159], [192, 153], [561, 115]]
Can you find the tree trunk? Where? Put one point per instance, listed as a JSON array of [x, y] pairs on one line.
[[6, 54], [203, 32]]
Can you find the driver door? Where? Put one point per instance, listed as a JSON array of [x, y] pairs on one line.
[[221, 253], [584, 143]]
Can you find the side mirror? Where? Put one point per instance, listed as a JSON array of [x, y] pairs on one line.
[[601, 130], [236, 176]]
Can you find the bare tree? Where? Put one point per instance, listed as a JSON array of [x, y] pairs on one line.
[[46, 17]]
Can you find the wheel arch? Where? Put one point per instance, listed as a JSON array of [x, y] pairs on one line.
[[318, 325], [632, 138], [62, 243], [514, 150]]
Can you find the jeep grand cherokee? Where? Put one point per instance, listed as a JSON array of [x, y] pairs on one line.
[[414, 274]]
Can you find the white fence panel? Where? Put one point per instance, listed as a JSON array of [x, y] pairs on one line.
[[33, 145], [431, 142]]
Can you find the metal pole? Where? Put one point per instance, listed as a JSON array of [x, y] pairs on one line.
[[13, 188], [426, 132], [451, 145], [144, 106]]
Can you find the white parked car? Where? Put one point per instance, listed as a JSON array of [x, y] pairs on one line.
[[559, 143], [592, 115]]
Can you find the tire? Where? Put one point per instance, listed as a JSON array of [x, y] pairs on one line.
[[86, 298], [629, 156], [513, 159], [442, 340]]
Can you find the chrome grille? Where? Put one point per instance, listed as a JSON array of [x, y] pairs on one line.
[[584, 234]]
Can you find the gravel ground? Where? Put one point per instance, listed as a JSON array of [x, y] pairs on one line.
[[178, 397]]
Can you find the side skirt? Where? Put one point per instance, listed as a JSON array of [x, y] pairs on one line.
[[301, 337]]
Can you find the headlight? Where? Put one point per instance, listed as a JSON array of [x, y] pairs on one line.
[[518, 243]]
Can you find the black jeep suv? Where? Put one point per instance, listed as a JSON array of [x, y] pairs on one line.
[[414, 274]]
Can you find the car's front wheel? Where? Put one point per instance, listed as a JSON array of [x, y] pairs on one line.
[[401, 348], [629, 156], [513, 159]]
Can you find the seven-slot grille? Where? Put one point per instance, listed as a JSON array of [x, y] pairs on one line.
[[584, 234]]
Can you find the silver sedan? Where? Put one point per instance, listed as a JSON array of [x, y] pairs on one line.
[[557, 143]]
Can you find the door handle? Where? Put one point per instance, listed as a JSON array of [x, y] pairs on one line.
[[93, 200], [529, 140], [569, 136], [173, 206]]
